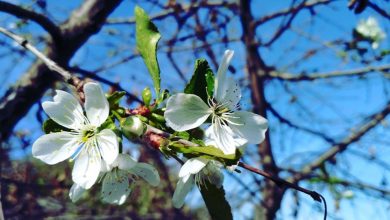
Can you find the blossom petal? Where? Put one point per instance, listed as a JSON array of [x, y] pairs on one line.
[[210, 138], [231, 96], [55, 147], [214, 174], [192, 166], [126, 162], [186, 111], [183, 187], [221, 84], [147, 172], [65, 110], [96, 104], [108, 145], [104, 167], [76, 192], [249, 125], [225, 139], [86, 167], [115, 187]]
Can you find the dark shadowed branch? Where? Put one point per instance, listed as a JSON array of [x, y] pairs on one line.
[[40, 19]]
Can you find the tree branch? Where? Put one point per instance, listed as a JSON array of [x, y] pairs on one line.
[[83, 23], [53, 66], [289, 123], [353, 72], [96, 77], [376, 8], [342, 146], [281, 182], [257, 70], [177, 9], [307, 5], [41, 20]]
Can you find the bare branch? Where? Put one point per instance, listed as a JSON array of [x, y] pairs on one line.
[[342, 146], [306, 5], [281, 182], [376, 8], [53, 66], [96, 77], [42, 20], [289, 123], [272, 194], [353, 72], [84, 22], [180, 9]]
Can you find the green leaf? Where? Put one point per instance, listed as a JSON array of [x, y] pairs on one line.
[[108, 124], [202, 81], [115, 97], [216, 202], [385, 53], [182, 134], [210, 152], [50, 126], [147, 37]]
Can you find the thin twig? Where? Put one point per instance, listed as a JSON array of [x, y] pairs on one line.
[[355, 136], [40, 19], [283, 183], [311, 77], [49, 63], [96, 77], [378, 9], [173, 11]]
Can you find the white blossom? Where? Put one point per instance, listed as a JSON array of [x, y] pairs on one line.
[[229, 127], [118, 178], [371, 30], [84, 143], [196, 171]]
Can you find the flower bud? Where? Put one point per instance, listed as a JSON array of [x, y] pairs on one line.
[[132, 127], [146, 96]]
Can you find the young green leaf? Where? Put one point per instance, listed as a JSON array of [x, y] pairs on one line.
[[147, 37], [50, 126], [202, 81], [114, 98], [216, 202], [207, 152]]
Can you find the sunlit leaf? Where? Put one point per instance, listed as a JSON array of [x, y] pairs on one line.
[[147, 37], [202, 81]]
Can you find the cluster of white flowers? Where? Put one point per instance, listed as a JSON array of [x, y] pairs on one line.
[[230, 129], [94, 150], [371, 30], [116, 184]]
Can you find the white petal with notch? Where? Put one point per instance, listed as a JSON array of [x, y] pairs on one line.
[[65, 110]]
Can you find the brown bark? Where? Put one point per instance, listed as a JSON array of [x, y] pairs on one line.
[[257, 70], [84, 22]]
